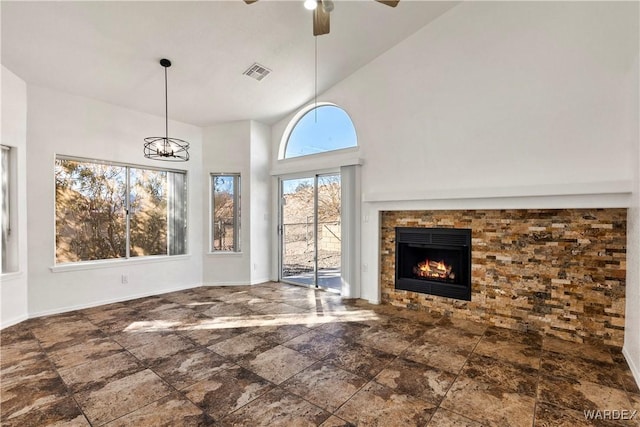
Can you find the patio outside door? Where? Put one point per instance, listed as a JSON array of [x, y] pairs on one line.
[[310, 231]]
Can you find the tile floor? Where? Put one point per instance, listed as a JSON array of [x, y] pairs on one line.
[[280, 355]]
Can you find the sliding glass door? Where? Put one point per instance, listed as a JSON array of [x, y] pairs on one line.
[[310, 231]]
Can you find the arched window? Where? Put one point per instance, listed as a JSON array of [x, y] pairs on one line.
[[318, 130]]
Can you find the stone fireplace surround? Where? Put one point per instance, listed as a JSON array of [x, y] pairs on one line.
[[507, 291], [559, 272]]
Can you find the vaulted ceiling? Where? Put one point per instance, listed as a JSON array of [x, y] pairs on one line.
[[109, 50]]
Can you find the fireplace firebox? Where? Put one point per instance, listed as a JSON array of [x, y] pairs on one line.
[[434, 261]]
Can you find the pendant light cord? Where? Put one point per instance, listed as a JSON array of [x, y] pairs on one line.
[[315, 98], [166, 106]]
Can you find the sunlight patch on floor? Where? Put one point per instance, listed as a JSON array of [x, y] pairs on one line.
[[252, 321]]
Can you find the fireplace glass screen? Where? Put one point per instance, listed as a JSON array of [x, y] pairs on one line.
[[434, 261]]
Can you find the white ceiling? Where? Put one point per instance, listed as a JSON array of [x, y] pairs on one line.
[[110, 51]]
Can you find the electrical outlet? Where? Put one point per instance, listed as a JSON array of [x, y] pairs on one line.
[[125, 279]]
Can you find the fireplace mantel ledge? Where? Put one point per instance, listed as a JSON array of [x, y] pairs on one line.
[[621, 190]]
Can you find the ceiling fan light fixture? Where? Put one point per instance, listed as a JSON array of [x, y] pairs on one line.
[[310, 4], [163, 147], [328, 5]]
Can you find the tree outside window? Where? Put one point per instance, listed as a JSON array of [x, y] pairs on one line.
[[106, 211], [225, 212]]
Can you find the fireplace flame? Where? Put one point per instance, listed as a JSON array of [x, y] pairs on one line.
[[434, 270]]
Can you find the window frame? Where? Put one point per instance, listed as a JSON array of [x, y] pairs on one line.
[[128, 258], [293, 123], [9, 249], [237, 197]]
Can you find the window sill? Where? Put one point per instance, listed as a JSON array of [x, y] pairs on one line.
[[224, 253], [8, 277], [92, 265]]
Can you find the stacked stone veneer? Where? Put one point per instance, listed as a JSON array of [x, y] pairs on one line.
[[558, 272]]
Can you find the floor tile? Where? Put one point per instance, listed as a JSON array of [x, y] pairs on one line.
[[385, 339], [512, 351], [475, 328], [442, 356], [499, 373], [364, 361], [170, 411], [325, 385], [445, 418], [416, 379], [454, 338], [62, 412], [608, 374], [315, 344], [25, 370], [138, 337], [378, 405], [590, 352], [277, 408], [188, 367], [209, 336], [162, 349], [99, 372], [280, 333], [42, 390], [84, 352], [226, 391], [61, 333], [242, 347], [334, 421], [16, 333], [122, 396], [350, 331], [278, 363], [555, 416], [580, 394], [488, 404], [15, 352]]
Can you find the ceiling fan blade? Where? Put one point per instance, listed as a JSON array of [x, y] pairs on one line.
[[320, 20], [250, 1], [392, 3]]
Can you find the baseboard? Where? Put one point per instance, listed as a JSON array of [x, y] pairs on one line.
[[374, 301], [14, 321], [109, 301], [226, 284], [632, 366], [260, 281]]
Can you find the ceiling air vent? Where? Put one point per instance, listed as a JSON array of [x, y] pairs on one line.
[[257, 71]]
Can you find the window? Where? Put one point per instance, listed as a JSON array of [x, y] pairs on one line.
[[111, 211], [225, 212], [5, 188], [320, 129]]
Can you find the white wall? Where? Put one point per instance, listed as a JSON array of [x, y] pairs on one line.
[[13, 286], [632, 327], [227, 149], [75, 126], [240, 147], [260, 203]]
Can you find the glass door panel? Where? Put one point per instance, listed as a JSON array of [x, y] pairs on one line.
[[297, 227], [328, 232]]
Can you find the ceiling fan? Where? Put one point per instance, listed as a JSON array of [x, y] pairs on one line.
[[322, 10]]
